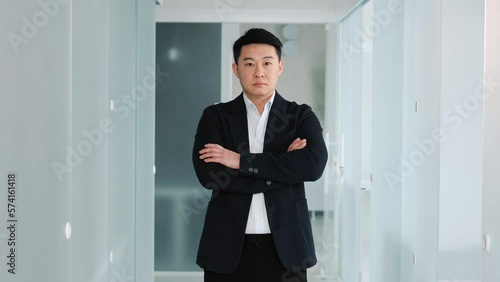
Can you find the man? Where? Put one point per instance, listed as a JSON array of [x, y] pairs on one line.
[[255, 152]]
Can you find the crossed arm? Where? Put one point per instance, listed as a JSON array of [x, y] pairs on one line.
[[219, 168], [214, 153]]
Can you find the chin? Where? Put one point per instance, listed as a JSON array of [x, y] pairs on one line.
[[262, 92]]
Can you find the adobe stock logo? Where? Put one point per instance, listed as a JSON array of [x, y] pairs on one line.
[[31, 27], [223, 6], [371, 29], [123, 108], [121, 276], [453, 118]]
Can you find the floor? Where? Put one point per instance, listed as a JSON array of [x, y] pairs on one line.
[[321, 272]]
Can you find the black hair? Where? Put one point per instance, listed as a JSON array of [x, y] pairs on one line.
[[256, 36]]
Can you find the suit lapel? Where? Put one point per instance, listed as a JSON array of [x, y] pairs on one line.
[[276, 124], [237, 120]]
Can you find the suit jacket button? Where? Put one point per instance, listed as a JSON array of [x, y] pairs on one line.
[[244, 216], [256, 170], [250, 169], [269, 182]]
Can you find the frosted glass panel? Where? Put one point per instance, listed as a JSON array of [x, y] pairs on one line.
[[371, 96], [89, 108], [350, 190], [420, 185], [190, 53], [461, 181], [387, 124], [332, 171], [121, 163], [34, 131], [68, 123]]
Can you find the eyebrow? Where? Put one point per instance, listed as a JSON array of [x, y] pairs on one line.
[[251, 59]]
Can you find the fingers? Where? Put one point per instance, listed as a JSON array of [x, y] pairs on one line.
[[292, 146], [211, 152], [211, 148], [297, 144]]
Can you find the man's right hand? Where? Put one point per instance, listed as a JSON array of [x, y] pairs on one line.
[[297, 144]]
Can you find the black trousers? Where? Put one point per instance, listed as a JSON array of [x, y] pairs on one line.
[[259, 263]]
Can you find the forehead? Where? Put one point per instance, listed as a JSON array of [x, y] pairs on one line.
[[258, 51]]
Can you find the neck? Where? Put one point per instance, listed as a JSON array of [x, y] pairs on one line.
[[260, 102]]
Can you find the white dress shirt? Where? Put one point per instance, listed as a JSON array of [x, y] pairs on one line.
[[257, 217]]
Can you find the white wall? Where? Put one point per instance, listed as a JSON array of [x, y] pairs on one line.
[[240, 11], [490, 259], [256, 4]]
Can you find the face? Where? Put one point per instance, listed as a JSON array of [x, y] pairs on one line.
[[258, 70]]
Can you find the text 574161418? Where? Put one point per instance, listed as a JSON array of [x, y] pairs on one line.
[[11, 222]]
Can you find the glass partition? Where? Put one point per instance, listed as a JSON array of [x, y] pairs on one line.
[[350, 186], [460, 182], [80, 80], [35, 202], [190, 54], [371, 84]]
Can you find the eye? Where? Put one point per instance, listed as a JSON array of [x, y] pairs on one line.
[[268, 63], [249, 64]]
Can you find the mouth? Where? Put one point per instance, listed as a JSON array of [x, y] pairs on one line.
[[259, 84]]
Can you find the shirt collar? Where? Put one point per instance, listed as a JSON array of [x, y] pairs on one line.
[[249, 105]]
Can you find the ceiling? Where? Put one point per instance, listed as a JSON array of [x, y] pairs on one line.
[[336, 7]]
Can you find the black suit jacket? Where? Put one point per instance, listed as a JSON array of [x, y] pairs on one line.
[[279, 174]]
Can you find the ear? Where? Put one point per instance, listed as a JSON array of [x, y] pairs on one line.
[[235, 70], [281, 66]]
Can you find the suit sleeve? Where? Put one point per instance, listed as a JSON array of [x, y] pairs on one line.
[[296, 166], [218, 177]]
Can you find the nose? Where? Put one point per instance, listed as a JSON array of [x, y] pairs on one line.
[[258, 72]]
